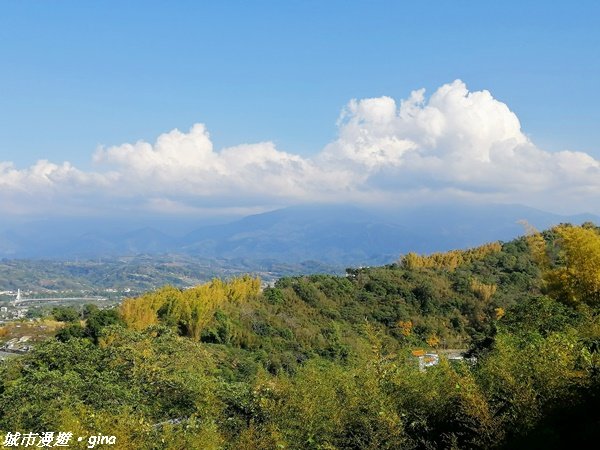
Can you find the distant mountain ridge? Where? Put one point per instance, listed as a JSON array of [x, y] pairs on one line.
[[333, 234]]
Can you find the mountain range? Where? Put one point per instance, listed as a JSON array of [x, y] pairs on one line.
[[338, 235]]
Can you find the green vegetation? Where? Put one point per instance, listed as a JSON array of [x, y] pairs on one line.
[[135, 274], [65, 314], [325, 362], [95, 321]]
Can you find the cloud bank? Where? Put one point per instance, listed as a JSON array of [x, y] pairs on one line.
[[454, 144]]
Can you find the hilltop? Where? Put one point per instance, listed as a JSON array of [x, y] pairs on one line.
[[325, 361]]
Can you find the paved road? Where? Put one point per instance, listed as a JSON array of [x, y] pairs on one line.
[[56, 299]]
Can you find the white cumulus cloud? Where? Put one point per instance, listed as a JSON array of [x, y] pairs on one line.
[[453, 143]]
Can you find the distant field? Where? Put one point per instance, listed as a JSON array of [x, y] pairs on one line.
[[119, 277]]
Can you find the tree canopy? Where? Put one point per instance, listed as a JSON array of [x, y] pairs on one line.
[[326, 362]]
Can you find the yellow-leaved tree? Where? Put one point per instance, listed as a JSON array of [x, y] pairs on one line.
[[449, 260], [190, 310], [576, 280]]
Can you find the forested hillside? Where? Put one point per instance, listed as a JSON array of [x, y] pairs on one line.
[[326, 362]]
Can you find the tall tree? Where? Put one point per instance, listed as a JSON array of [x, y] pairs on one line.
[[577, 279]]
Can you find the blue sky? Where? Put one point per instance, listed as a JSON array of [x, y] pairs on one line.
[[78, 75]]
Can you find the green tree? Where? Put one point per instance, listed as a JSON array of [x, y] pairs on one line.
[[65, 314], [99, 320]]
